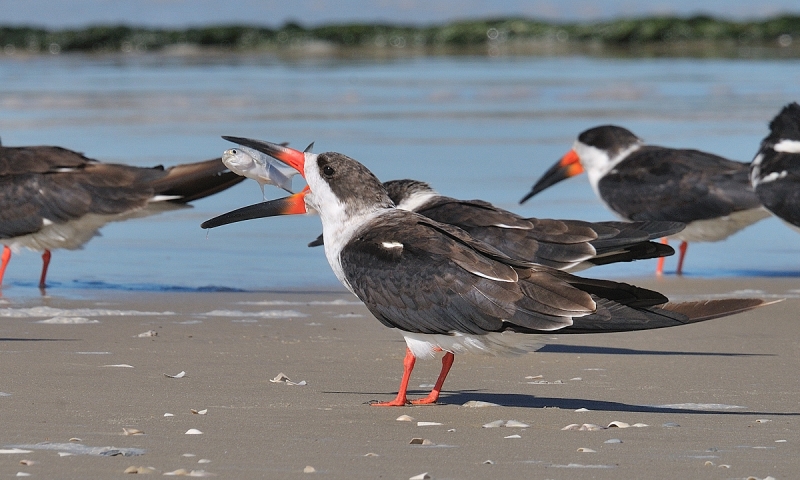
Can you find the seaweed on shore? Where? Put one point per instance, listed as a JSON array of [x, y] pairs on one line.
[[779, 31]]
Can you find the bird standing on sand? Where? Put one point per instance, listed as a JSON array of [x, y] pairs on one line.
[[447, 291], [775, 171], [51, 197], [710, 194]]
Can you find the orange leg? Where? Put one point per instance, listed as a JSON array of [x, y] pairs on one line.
[[660, 266], [45, 264], [5, 258], [447, 362], [682, 249], [401, 399]]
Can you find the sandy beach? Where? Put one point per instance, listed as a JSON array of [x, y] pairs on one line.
[[719, 399]]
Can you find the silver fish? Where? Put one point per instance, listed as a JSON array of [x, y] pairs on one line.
[[262, 168]]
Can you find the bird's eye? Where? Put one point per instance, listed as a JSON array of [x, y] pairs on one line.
[[328, 171]]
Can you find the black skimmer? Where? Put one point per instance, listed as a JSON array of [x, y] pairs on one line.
[[775, 171], [710, 194], [569, 245], [447, 291], [53, 198]]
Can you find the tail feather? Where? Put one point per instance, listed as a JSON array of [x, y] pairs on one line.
[[192, 181], [619, 318], [703, 310]]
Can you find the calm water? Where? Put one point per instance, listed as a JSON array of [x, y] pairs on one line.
[[473, 127]]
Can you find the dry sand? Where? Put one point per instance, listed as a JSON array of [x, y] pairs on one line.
[[58, 383]]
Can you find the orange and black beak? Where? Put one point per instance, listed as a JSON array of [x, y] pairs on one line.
[[294, 158], [568, 166], [291, 205]]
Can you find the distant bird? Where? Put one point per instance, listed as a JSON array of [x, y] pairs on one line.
[[775, 171], [51, 197], [563, 244], [448, 291], [710, 194]]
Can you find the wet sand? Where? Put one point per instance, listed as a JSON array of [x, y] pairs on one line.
[[720, 399]]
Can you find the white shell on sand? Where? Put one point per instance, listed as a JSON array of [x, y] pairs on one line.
[[149, 333], [421, 476], [180, 375], [193, 431], [479, 404], [488, 462], [613, 440], [513, 436], [516, 424], [309, 469], [405, 418], [132, 431], [282, 378], [27, 462], [495, 424], [139, 470], [586, 450], [204, 460], [583, 410], [120, 365], [23, 474], [427, 424], [618, 424], [199, 412], [169, 414], [182, 472]]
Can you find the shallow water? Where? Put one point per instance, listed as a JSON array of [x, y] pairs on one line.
[[473, 127]]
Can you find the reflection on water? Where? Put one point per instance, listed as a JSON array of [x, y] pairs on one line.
[[473, 127]]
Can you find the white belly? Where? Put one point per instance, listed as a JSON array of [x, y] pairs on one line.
[[716, 229], [424, 345]]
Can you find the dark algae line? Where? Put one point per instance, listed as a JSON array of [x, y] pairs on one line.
[[701, 35]]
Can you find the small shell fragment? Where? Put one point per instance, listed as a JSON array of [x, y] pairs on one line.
[[23, 474], [590, 427], [75, 439], [762, 420], [640, 425], [533, 377], [723, 466], [149, 333], [479, 404], [708, 463], [488, 462], [513, 436], [14, 450], [405, 418], [120, 365], [420, 441], [309, 469], [583, 410], [516, 424], [427, 424], [204, 460], [571, 426], [282, 378], [139, 470], [371, 454], [182, 472], [180, 375], [132, 431], [613, 440], [421, 476], [27, 463], [586, 450], [617, 424], [193, 431], [495, 424], [169, 414], [670, 425], [64, 454], [199, 412]]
